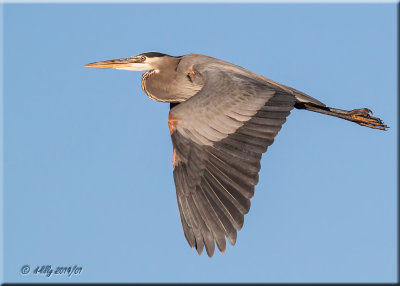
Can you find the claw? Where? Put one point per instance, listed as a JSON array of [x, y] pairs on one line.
[[362, 117]]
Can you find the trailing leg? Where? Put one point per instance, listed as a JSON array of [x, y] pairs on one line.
[[360, 116]]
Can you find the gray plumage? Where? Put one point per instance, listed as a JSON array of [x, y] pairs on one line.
[[222, 119]]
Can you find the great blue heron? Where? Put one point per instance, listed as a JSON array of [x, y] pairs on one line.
[[222, 119]]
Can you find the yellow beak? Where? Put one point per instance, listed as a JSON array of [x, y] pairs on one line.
[[113, 64]]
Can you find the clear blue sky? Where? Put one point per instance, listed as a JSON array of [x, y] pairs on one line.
[[87, 156]]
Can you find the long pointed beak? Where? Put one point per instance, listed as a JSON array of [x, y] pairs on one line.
[[113, 64]]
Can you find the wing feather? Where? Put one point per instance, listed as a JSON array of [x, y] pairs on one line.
[[219, 137]]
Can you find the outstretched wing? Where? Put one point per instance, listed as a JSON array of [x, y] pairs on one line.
[[218, 137]]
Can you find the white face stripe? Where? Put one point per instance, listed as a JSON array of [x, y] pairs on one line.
[[136, 67]]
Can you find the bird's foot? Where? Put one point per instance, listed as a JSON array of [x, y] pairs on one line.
[[363, 117]]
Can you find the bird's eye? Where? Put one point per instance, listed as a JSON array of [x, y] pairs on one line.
[[142, 58]]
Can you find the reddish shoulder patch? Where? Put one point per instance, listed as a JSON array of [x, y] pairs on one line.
[[172, 122], [174, 159], [191, 72]]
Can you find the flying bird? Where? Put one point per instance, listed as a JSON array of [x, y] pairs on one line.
[[222, 119]]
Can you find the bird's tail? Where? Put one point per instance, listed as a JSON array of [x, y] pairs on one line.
[[360, 116]]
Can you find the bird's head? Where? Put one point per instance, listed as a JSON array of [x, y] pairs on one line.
[[142, 62]]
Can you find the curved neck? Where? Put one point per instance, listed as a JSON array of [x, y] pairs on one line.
[[166, 84]]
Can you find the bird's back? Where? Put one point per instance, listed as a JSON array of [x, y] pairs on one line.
[[208, 62]]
